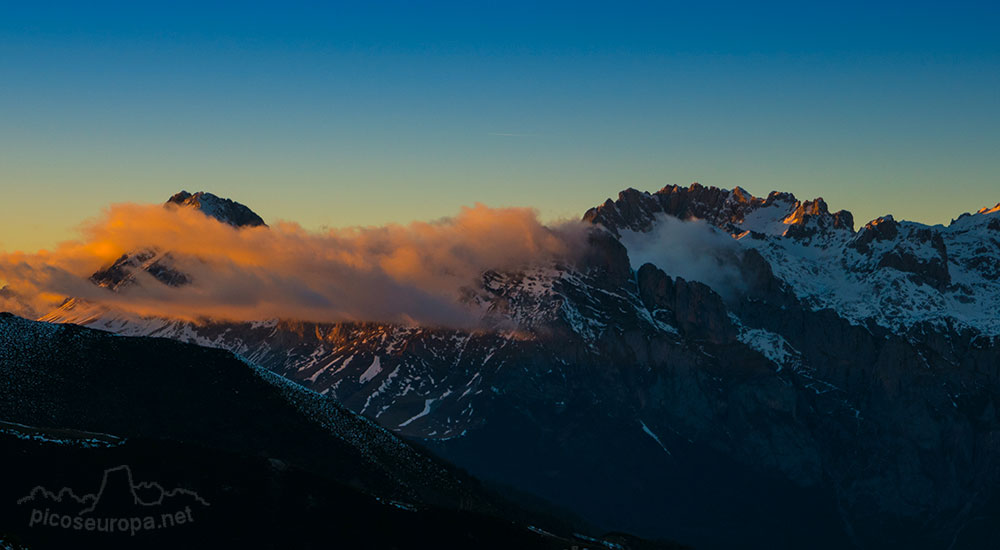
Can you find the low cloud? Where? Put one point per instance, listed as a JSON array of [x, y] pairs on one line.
[[692, 249], [400, 273]]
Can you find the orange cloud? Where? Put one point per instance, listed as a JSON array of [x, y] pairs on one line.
[[400, 273]]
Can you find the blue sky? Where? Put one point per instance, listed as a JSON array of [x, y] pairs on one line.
[[366, 113]]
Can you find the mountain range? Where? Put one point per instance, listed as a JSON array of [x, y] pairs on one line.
[[715, 368]]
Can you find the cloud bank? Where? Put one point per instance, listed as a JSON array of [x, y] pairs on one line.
[[396, 273]]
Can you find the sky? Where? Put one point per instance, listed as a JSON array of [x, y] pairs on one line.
[[366, 113]]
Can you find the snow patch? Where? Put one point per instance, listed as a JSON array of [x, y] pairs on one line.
[[423, 413], [650, 433], [372, 372]]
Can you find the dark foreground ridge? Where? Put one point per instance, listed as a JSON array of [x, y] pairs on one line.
[[101, 426]]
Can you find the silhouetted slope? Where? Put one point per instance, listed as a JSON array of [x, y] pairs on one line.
[[280, 465]]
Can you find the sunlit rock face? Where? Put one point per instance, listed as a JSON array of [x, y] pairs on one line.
[[766, 376]]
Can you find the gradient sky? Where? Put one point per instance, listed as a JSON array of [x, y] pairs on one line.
[[374, 112]]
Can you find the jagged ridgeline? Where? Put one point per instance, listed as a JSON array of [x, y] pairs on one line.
[[766, 376]]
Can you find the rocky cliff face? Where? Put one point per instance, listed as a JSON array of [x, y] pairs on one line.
[[843, 394]]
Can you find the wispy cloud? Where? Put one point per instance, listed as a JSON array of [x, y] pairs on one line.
[[691, 249]]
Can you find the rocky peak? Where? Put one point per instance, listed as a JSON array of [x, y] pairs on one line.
[[224, 210], [779, 197], [811, 217], [923, 255], [717, 206], [884, 228]]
